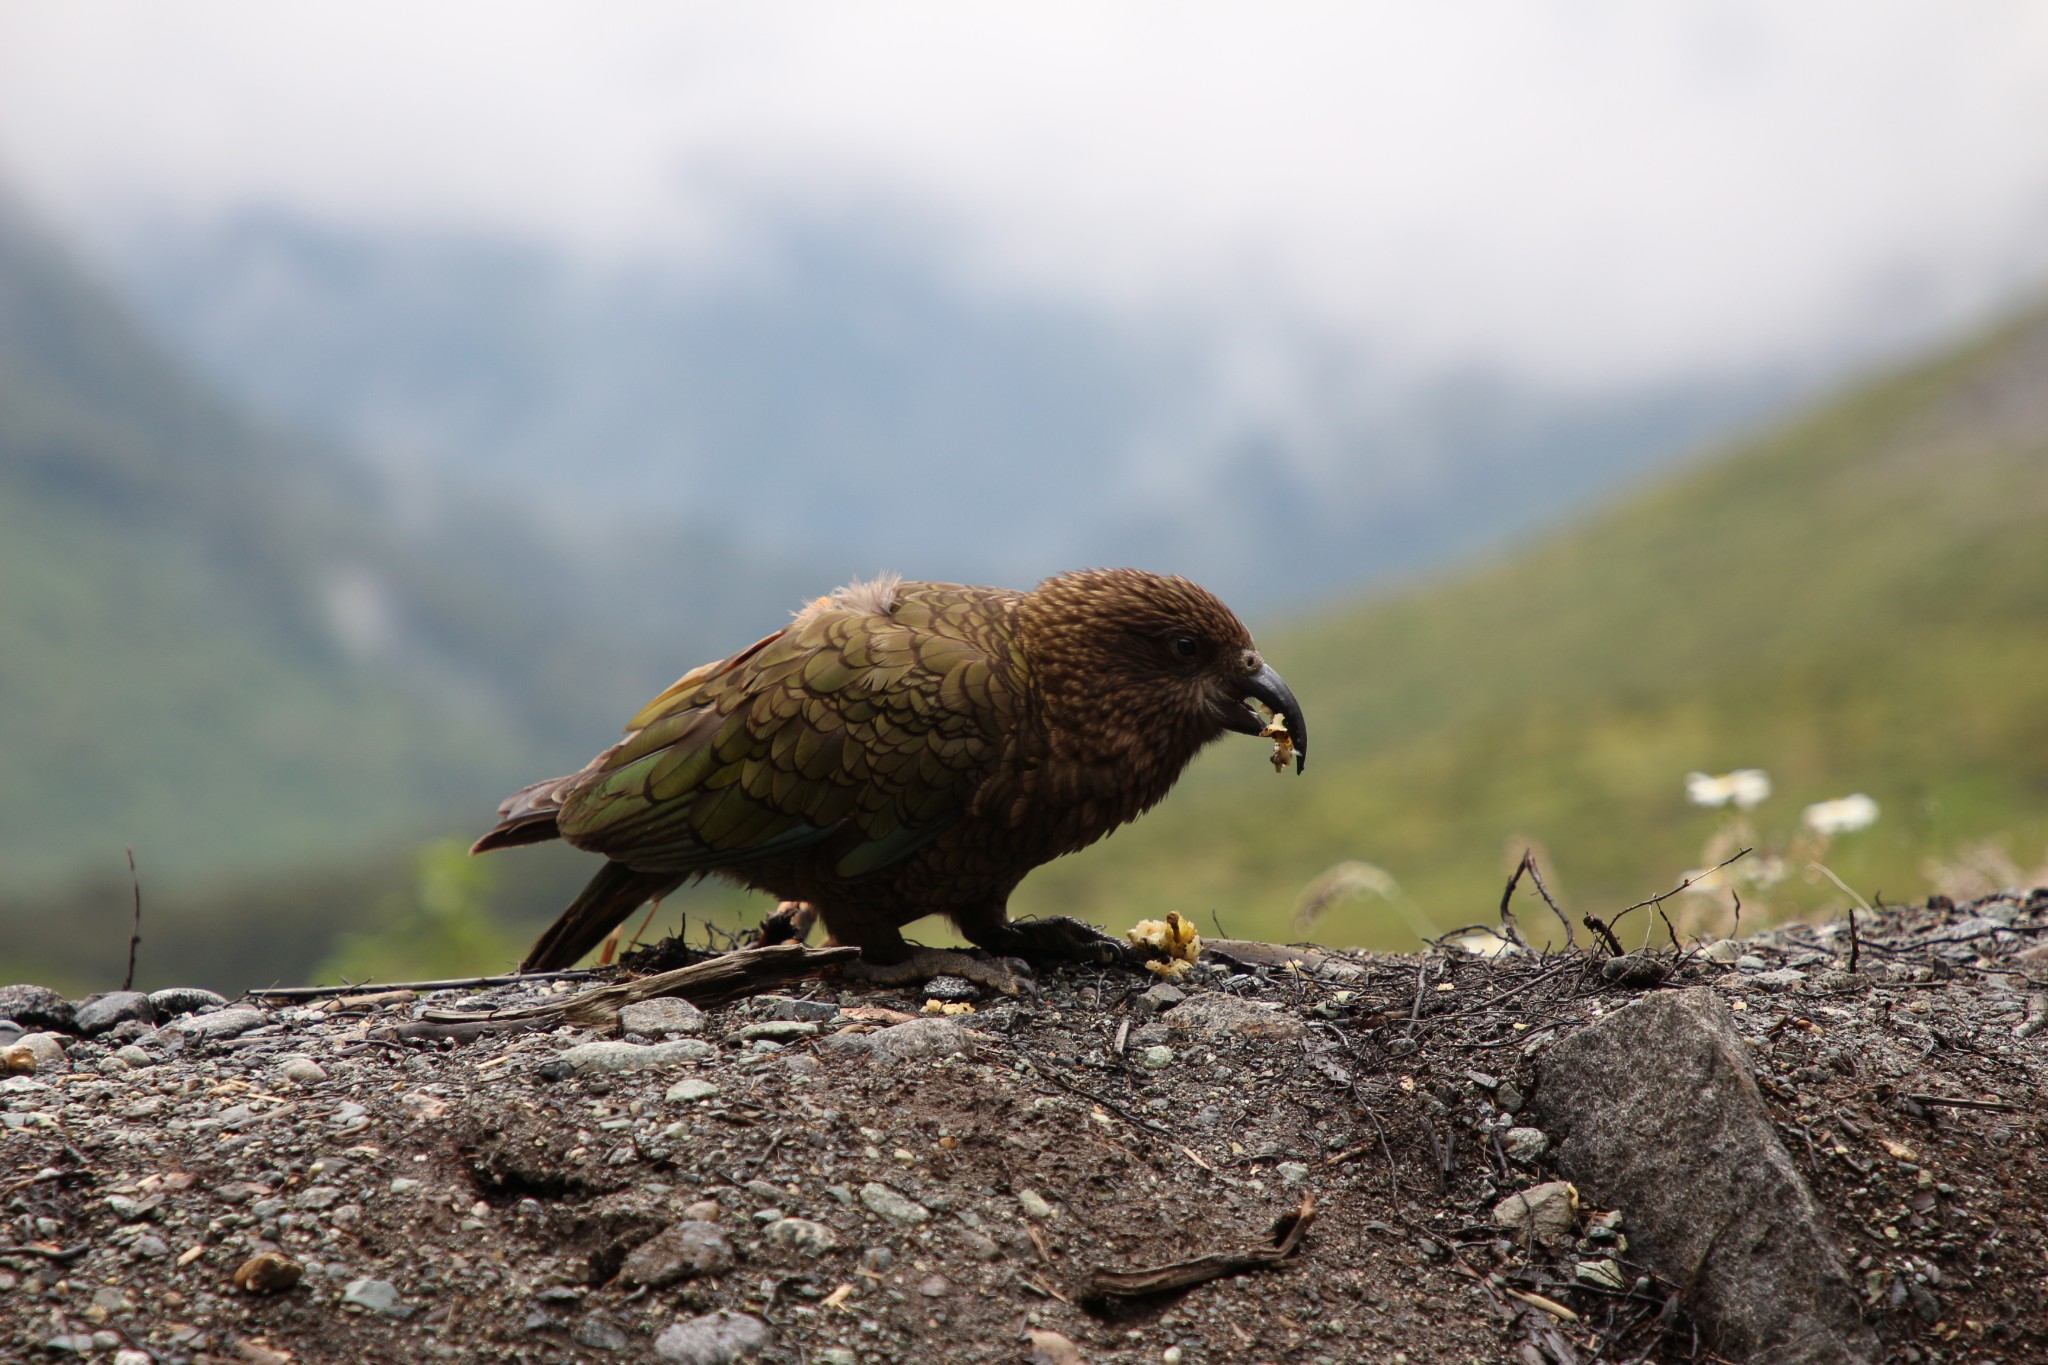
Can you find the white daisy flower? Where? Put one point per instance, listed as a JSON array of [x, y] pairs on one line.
[[1747, 788], [1841, 816]]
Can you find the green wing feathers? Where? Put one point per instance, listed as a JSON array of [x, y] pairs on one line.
[[881, 719]]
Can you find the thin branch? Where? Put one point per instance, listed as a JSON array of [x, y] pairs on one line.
[[1528, 864], [134, 938], [1689, 881]]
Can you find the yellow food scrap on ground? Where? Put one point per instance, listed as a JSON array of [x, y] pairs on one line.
[[1173, 938], [947, 1007]]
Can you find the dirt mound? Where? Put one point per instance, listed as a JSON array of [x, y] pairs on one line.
[[1338, 1157]]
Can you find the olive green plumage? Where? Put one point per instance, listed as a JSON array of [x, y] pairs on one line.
[[904, 749]]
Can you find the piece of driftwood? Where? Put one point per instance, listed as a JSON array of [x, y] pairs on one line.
[[1287, 1235], [710, 982], [447, 984], [1244, 952]]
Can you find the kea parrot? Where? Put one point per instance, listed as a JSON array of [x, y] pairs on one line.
[[909, 749]]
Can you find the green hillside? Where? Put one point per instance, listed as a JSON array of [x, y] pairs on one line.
[[1856, 602], [210, 647]]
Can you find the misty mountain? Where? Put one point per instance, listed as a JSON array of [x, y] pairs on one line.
[[843, 390], [233, 647]]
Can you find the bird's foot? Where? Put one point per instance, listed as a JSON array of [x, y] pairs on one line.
[[920, 965], [789, 922], [1057, 939]]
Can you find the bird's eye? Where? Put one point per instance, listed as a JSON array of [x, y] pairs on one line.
[[1184, 645]]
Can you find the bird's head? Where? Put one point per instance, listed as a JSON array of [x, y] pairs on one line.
[[1151, 662]]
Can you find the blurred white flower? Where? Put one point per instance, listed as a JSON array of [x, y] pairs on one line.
[[1746, 787], [1842, 815]]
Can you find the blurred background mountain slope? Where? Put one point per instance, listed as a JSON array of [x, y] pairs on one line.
[[1856, 601], [392, 399]]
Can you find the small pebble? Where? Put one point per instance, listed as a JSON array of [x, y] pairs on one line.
[[375, 1296], [176, 1000], [268, 1272], [952, 989], [680, 1251], [811, 1238], [661, 1016], [1034, 1205], [773, 1031], [887, 1203], [605, 1059], [782, 1007], [36, 1007], [689, 1088], [302, 1070], [46, 1048], [226, 1023], [101, 1012], [714, 1339]]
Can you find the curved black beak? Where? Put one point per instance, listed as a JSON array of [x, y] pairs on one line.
[[1269, 687]]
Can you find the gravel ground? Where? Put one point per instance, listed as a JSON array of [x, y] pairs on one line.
[[829, 1176]]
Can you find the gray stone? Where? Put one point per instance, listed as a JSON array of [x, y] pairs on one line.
[[47, 1048], [97, 1014], [601, 1334], [136, 1058], [1508, 1097], [1156, 1058], [175, 1000], [606, 1059], [661, 1016], [714, 1339], [814, 1011], [887, 1203], [219, 1024], [301, 1069], [837, 1355], [1750, 962], [1161, 997], [774, 1031], [806, 1235], [952, 989], [680, 1251], [1217, 1014], [1783, 979], [318, 1197], [1547, 1213], [36, 1007], [917, 1040], [1291, 1172], [1655, 1111], [1525, 1146], [690, 1088], [1034, 1205], [375, 1296]]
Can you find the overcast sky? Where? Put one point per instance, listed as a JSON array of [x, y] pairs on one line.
[[1588, 192]]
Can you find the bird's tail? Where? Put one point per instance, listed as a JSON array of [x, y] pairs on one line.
[[614, 893]]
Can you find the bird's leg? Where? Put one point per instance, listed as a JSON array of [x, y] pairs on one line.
[[887, 960], [1056, 939]]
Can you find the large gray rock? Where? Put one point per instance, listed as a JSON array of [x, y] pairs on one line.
[[99, 1013], [1655, 1112], [36, 1007]]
